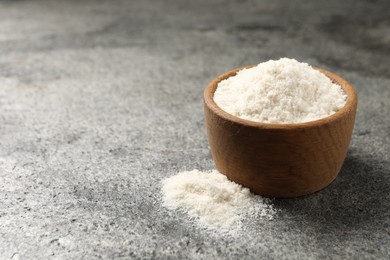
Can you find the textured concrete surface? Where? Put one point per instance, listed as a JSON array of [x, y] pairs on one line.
[[100, 100]]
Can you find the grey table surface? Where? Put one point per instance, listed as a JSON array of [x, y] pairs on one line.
[[101, 100]]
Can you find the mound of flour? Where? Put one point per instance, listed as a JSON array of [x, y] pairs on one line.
[[281, 91], [214, 201]]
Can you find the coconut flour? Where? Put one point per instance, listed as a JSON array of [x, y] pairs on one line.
[[281, 91], [213, 200]]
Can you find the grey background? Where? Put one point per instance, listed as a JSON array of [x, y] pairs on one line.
[[100, 100]]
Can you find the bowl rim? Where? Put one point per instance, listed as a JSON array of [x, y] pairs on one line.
[[209, 91]]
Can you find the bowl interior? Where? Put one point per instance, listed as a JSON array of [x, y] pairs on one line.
[[345, 85]]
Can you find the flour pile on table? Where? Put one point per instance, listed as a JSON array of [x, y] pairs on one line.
[[213, 200]]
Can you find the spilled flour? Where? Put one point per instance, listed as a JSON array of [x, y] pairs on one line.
[[214, 201]]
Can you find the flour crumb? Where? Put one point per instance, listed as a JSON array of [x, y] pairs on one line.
[[214, 201], [280, 91]]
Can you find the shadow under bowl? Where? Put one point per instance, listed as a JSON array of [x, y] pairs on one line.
[[280, 160]]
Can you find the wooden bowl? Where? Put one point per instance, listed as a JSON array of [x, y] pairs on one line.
[[280, 160]]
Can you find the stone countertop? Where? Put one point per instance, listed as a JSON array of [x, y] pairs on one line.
[[101, 100]]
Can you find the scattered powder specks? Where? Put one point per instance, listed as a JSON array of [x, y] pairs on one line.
[[280, 92], [213, 200]]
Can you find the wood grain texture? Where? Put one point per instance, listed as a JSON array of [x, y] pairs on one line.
[[280, 160]]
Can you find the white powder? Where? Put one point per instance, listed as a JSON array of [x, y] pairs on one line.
[[213, 200], [282, 91]]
